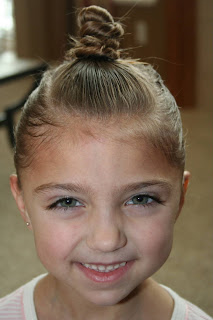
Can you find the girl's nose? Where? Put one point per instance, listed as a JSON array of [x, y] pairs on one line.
[[105, 234]]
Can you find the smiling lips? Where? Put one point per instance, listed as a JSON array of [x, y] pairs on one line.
[[102, 268], [105, 273]]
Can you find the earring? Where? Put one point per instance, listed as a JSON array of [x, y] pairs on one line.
[[28, 223]]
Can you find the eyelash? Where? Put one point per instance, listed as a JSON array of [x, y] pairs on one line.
[[57, 204], [154, 200]]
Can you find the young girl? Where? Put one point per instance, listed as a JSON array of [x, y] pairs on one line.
[[100, 182]]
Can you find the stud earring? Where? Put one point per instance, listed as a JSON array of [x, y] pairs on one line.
[[28, 223]]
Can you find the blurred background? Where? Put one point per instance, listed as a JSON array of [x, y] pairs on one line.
[[173, 35]]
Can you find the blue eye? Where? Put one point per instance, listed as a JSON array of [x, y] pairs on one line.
[[140, 199], [66, 203]]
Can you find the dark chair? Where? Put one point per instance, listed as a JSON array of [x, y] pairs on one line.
[[13, 70]]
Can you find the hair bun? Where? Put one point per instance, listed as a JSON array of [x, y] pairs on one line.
[[99, 35]]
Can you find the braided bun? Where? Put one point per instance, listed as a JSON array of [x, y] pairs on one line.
[[99, 35]]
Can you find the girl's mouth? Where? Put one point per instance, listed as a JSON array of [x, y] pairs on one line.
[[105, 273], [103, 268]]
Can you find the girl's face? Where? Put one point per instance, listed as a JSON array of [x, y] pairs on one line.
[[102, 212]]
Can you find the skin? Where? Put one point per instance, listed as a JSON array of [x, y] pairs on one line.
[[104, 175]]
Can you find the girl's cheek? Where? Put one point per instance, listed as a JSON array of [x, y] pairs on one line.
[[56, 240], [154, 237]]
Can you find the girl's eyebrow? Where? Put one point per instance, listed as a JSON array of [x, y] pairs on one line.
[[152, 183], [71, 187], [78, 188]]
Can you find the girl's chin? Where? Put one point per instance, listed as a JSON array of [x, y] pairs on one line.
[[106, 299]]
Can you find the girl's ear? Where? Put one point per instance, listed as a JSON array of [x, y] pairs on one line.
[[186, 177], [18, 196], [185, 183]]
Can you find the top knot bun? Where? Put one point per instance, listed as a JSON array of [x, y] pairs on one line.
[[99, 35]]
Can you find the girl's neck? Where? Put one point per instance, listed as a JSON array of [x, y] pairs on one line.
[[52, 301]]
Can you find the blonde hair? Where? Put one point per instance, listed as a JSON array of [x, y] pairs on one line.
[[95, 82]]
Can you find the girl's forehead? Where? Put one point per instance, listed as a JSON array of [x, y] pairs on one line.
[[78, 137], [76, 131], [97, 159], [95, 137]]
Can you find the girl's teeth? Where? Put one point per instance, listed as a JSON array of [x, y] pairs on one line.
[[122, 264], [93, 267], [102, 268], [109, 268]]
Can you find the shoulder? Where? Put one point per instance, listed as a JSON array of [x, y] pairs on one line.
[[195, 313], [19, 305], [11, 306], [185, 310]]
